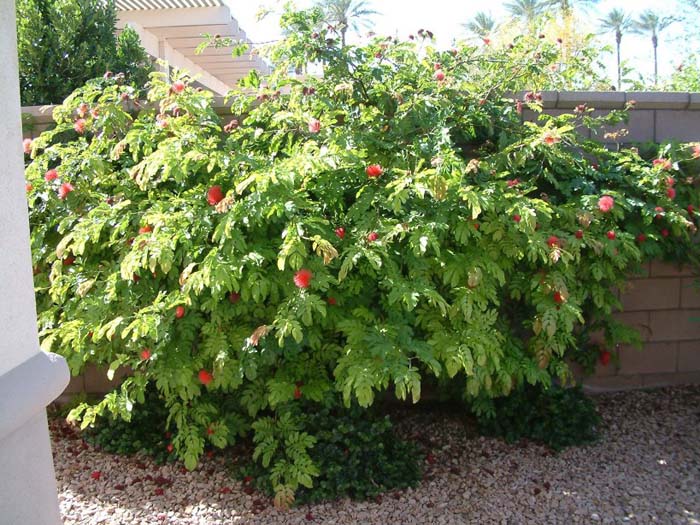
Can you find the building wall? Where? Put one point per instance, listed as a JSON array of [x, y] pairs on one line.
[[663, 303]]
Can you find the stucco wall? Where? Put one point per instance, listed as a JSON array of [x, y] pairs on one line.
[[29, 378]]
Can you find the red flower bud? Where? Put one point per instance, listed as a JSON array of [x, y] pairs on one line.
[[214, 195]]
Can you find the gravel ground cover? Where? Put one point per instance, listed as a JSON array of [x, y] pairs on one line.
[[645, 469]]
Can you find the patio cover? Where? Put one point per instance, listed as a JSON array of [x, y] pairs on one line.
[[172, 29]]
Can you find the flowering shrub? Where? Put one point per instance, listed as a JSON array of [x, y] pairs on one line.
[[340, 236]]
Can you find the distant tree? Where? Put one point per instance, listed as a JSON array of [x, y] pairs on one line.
[[616, 21], [131, 58], [649, 23], [346, 14], [527, 11], [685, 77], [63, 43], [567, 6], [482, 25]]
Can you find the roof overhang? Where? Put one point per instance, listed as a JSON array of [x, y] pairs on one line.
[[173, 33]]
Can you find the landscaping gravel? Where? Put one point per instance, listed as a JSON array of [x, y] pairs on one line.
[[645, 469]]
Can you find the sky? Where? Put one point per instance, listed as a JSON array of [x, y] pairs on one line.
[[403, 17]]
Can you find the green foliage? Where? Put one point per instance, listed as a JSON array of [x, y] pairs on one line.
[[63, 43], [557, 417], [420, 271], [686, 76], [144, 433], [357, 455]]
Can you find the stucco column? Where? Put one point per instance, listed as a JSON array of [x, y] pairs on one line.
[[29, 378]]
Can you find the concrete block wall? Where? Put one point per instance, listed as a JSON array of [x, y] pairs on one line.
[[664, 304], [656, 117]]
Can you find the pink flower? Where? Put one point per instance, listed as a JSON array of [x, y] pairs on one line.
[[606, 203], [519, 107], [663, 163], [670, 181], [550, 139], [50, 175], [487, 41], [671, 193], [145, 354], [314, 125], [696, 151], [340, 233], [516, 217], [659, 210], [79, 126], [83, 109], [27, 145], [665, 232], [373, 236], [439, 75], [303, 278], [178, 86], [513, 182], [553, 241], [611, 235], [64, 190]]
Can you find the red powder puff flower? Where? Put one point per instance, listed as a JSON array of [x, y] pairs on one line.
[[374, 170], [303, 278], [205, 377]]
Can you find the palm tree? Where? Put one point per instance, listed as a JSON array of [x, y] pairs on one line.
[[482, 25], [616, 21], [346, 14], [566, 6], [526, 10], [650, 23]]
